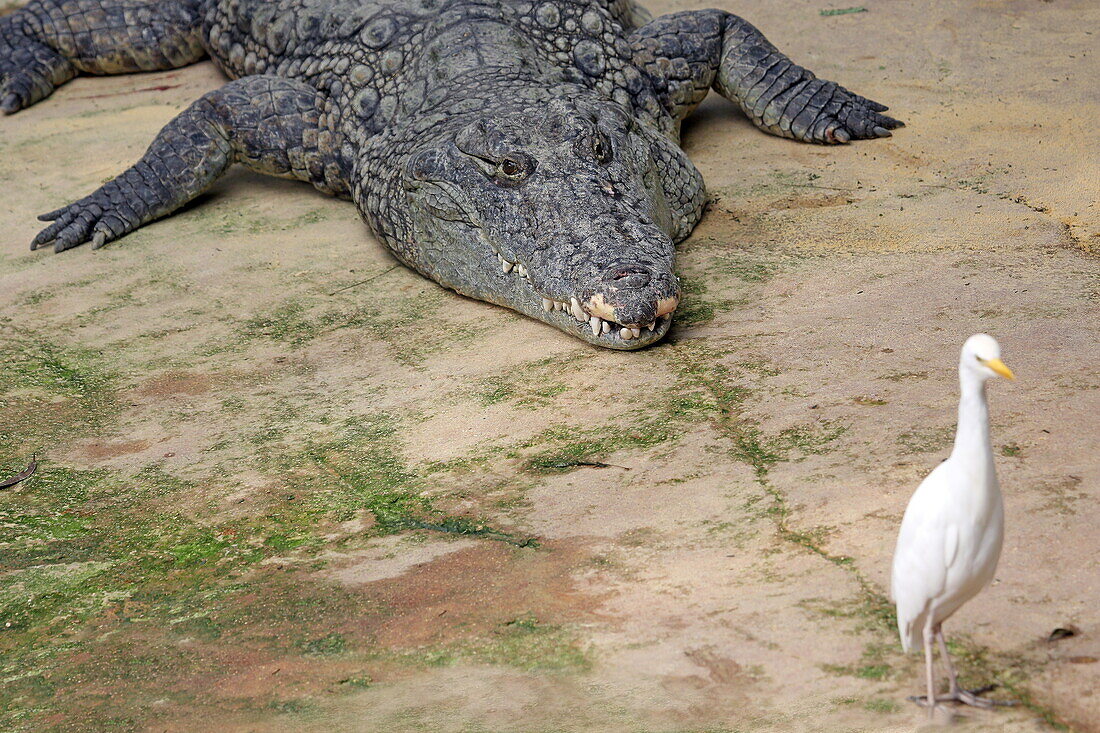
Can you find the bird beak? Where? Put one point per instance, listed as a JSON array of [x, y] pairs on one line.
[[1000, 367]]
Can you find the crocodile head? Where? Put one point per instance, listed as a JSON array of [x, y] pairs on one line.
[[556, 213]]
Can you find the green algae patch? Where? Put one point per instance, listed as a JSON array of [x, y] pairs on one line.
[[118, 526], [525, 643], [697, 308], [96, 549], [881, 705], [357, 469], [397, 322], [79, 544], [326, 646], [532, 385], [472, 528], [46, 389], [89, 550], [563, 448], [828, 13], [288, 323], [721, 390], [926, 440], [579, 448], [661, 419], [44, 586], [876, 661], [528, 395], [204, 547], [861, 671], [748, 267]]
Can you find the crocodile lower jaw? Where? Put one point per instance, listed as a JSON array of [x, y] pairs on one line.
[[602, 328]]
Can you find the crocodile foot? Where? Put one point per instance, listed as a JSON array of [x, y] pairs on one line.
[[98, 218], [822, 111], [29, 71]]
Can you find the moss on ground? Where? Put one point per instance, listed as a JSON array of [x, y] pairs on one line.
[[571, 448], [524, 643], [398, 322], [697, 308], [357, 468], [47, 390], [88, 548], [527, 644], [926, 440]]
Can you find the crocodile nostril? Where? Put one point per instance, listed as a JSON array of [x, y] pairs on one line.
[[629, 277]]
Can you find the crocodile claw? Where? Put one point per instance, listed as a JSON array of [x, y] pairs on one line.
[[91, 219]]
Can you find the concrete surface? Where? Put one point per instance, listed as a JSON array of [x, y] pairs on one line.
[[271, 498]]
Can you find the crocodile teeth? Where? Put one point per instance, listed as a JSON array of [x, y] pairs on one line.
[[506, 265], [521, 270], [596, 324]]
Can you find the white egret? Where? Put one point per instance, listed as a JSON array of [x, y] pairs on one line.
[[951, 535]]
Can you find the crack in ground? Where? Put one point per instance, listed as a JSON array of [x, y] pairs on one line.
[[1076, 241]]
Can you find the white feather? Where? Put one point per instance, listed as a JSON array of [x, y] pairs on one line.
[[951, 535]]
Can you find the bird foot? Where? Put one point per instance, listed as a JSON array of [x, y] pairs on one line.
[[966, 697]]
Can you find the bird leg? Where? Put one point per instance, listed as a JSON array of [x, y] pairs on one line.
[[930, 699], [956, 693]]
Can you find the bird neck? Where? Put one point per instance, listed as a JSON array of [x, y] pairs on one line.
[[972, 442]]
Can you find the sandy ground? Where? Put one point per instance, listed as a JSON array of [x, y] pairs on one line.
[[275, 497]]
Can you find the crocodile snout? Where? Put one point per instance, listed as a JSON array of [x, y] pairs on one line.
[[625, 277], [634, 294]]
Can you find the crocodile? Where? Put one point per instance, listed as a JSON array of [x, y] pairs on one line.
[[522, 152]]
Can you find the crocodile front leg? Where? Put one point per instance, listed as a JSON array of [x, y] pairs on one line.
[[46, 43], [681, 185], [690, 52], [272, 125]]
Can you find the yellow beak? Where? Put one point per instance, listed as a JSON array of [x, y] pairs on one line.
[[1000, 367]]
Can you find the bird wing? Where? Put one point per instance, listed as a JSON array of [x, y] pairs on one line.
[[921, 557]]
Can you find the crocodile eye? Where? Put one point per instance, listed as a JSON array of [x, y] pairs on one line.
[[601, 149], [511, 168]]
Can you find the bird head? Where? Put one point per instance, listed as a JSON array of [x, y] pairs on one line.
[[981, 356]]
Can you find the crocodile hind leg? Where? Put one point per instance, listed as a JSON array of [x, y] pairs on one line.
[[48, 42], [689, 53], [272, 125]]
